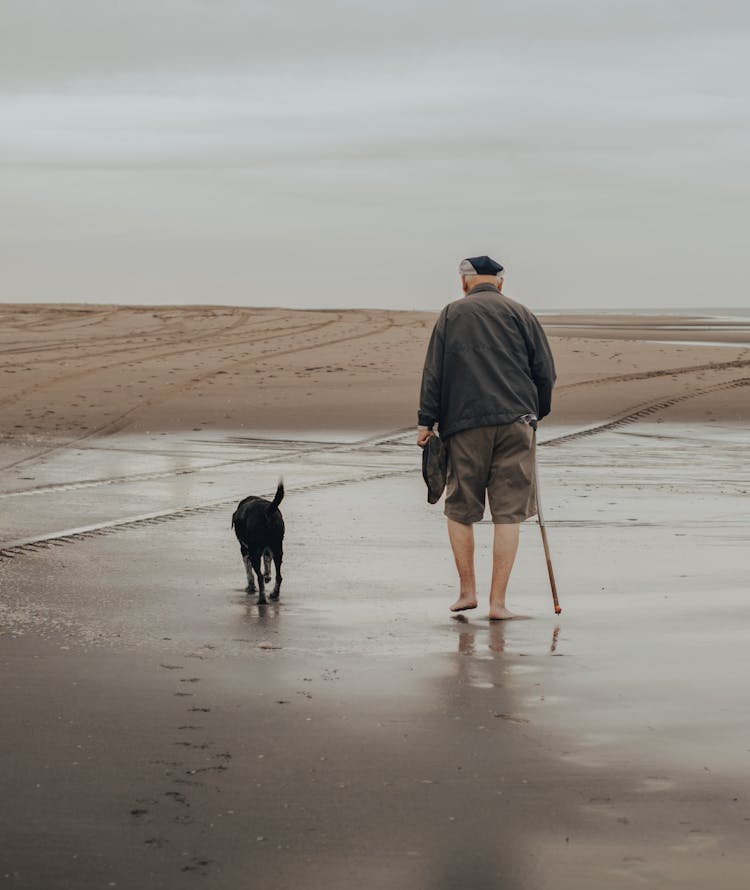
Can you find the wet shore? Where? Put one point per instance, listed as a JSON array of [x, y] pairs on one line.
[[161, 729]]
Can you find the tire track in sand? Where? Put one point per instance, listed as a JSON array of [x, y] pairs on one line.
[[12, 549], [117, 423], [168, 336], [191, 345], [646, 409], [32, 545], [661, 372], [124, 419]]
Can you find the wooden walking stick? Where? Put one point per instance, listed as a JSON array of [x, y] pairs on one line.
[[543, 530]]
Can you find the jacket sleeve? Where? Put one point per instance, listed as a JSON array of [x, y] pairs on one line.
[[542, 365], [432, 376]]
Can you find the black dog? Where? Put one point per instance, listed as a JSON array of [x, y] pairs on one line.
[[259, 527]]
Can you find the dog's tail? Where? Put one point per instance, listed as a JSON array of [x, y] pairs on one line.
[[277, 498]]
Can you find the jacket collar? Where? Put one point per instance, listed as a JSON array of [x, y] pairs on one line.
[[485, 287]]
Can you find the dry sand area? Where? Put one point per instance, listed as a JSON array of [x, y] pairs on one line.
[[162, 730], [82, 372]]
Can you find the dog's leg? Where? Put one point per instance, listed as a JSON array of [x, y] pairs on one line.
[[278, 555], [248, 569], [259, 573], [267, 565]]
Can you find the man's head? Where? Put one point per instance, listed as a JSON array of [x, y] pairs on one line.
[[480, 270]]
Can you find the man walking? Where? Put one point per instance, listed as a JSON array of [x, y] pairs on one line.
[[488, 376]]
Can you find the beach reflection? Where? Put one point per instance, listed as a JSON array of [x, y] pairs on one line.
[[498, 634], [467, 643], [497, 641], [555, 635], [261, 614]]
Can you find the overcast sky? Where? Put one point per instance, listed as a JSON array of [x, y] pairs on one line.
[[350, 153]]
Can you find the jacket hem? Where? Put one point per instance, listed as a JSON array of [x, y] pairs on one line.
[[484, 420]]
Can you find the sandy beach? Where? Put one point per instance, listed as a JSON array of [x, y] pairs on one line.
[[162, 730]]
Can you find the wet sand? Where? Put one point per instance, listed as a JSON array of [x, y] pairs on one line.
[[162, 730]]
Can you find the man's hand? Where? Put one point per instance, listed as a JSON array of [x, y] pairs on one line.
[[423, 437]]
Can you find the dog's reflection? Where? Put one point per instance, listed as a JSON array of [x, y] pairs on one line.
[[262, 614]]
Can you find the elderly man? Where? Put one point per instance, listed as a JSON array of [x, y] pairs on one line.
[[488, 377]]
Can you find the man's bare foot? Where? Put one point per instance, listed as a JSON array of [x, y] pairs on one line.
[[464, 602], [500, 613]]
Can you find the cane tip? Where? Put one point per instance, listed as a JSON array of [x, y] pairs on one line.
[[558, 609]]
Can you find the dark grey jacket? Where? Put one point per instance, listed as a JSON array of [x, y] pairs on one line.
[[488, 363]]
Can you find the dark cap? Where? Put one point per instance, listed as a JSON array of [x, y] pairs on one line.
[[481, 265], [434, 468]]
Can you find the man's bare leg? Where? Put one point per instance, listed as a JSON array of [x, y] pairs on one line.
[[504, 548], [462, 543]]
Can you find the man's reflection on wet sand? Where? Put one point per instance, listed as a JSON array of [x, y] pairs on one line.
[[496, 639], [467, 642], [555, 635]]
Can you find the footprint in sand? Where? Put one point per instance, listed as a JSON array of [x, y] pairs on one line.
[[155, 842], [219, 768], [197, 864]]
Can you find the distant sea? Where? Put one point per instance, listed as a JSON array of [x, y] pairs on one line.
[[723, 313], [715, 313]]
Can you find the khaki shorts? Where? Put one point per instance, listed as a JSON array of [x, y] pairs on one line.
[[498, 461]]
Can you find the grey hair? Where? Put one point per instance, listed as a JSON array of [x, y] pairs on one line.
[[470, 276]]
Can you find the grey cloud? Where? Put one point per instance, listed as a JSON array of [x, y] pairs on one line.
[[55, 40], [172, 150]]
